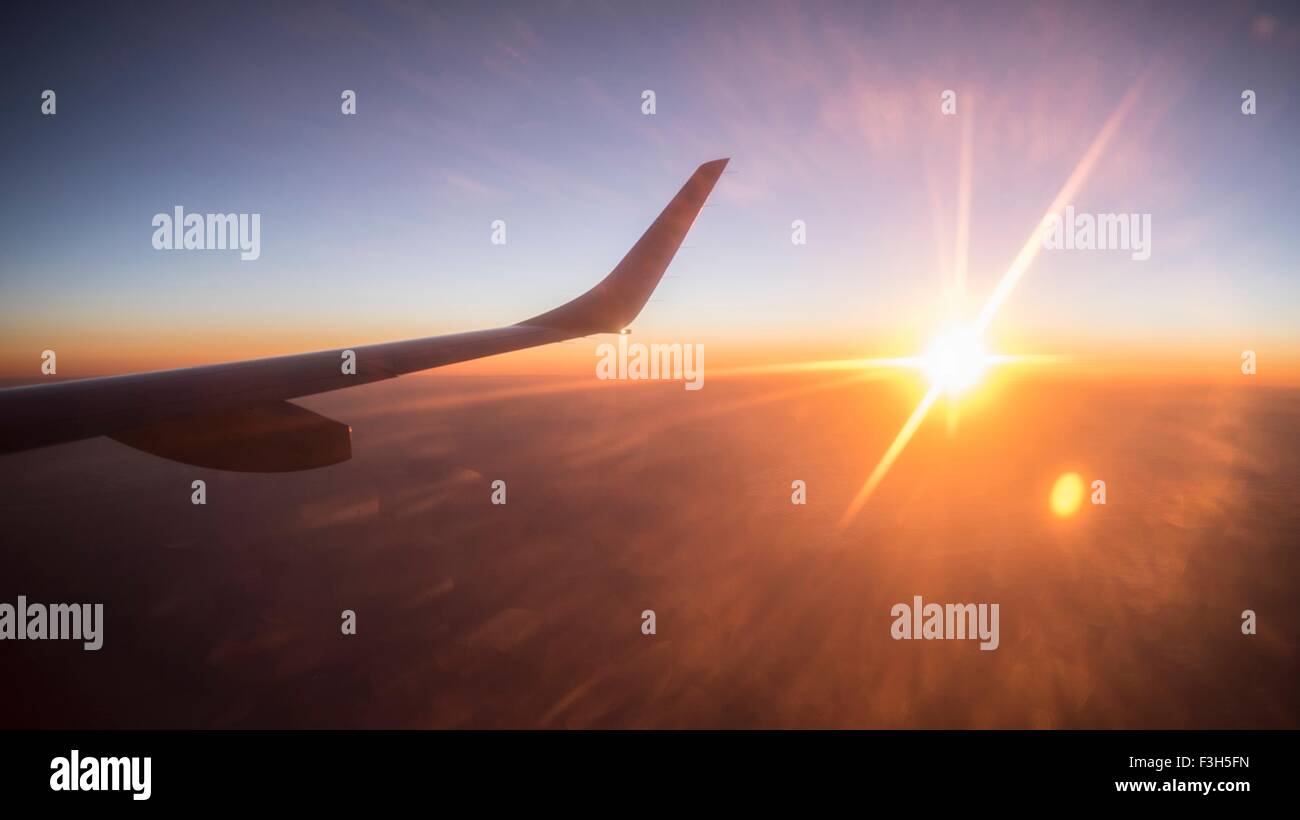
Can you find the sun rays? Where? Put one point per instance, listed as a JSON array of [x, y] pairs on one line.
[[957, 359]]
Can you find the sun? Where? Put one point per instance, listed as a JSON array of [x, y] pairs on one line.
[[956, 361]]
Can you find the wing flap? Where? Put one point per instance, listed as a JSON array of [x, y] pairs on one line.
[[276, 437]]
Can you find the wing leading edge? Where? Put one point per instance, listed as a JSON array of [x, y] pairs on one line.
[[236, 416]]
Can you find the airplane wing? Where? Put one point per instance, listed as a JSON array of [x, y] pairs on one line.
[[237, 416]]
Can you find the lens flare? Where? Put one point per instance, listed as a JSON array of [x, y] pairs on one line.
[[1067, 495]]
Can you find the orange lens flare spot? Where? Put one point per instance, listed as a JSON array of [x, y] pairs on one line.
[[1067, 495]]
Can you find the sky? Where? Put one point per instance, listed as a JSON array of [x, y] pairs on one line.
[[378, 226], [627, 495]]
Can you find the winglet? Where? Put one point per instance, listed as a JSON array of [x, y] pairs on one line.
[[612, 305]]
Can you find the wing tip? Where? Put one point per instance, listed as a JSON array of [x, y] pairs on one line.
[[617, 299], [714, 164]]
